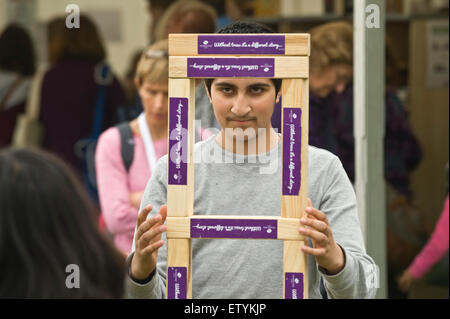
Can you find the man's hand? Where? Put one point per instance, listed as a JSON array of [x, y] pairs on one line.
[[327, 252], [147, 242]]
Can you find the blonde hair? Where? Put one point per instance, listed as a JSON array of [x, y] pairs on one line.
[[178, 13], [331, 44], [153, 66]]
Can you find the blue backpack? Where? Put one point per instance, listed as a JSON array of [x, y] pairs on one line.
[[85, 148]]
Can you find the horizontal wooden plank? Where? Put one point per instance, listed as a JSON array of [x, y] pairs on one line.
[[291, 44], [180, 227], [243, 67]]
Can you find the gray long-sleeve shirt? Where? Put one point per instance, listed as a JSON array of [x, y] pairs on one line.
[[251, 185]]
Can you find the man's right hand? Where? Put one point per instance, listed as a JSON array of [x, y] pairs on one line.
[[147, 242]]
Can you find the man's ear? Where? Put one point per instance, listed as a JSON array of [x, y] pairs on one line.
[[277, 100]]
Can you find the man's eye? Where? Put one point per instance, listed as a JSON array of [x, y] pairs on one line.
[[151, 92], [226, 90], [256, 90]]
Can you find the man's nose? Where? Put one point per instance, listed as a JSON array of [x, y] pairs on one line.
[[241, 105]]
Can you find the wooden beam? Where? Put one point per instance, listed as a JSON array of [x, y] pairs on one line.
[[263, 67], [295, 95], [180, 188], [179, 260], [295, 44], [180, 227], [180, 196], [295, 271], [294, 119]]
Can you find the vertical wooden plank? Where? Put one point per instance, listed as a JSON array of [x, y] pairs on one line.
[[179, 259], [295, 95], [180, 197], [295, 271], [180, 186], [295, 115]]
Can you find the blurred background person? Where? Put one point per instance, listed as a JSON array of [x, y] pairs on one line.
[[192, 16], [17, 66], [434, 250], [71, 85], [331, 108], [186, 16], [48, 223], [120, 190], [333, 44], [331, 128], [156, 9]]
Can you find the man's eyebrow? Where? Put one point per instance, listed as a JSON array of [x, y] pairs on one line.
[[260, 84], [225, 84], [251, 85]]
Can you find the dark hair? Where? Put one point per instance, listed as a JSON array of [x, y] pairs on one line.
[[186, 16], [245, 27], [84, 43], [16, 51], [46, 224], [218, 5]]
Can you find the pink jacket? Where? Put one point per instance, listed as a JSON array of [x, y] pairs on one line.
[[435, 249], [115, 184]]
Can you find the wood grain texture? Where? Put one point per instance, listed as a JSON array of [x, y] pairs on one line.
[[179, 255], [294, 260], [285, 67], [180, 227], [296, 44], [295, 94], [180, 198]]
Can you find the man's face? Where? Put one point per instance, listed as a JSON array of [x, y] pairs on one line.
[[330, 79], [243, 103]]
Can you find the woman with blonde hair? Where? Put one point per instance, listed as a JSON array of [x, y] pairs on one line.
[[120, 190]]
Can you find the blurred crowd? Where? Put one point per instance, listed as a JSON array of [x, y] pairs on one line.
[[74, 197]]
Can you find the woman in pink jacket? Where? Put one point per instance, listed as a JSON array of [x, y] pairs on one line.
[[434, 250], [120, 191]]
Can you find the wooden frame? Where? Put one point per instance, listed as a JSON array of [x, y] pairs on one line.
[[192, 56]]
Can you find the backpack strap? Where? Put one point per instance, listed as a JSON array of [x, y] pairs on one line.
[[102, 77], [127, 144]]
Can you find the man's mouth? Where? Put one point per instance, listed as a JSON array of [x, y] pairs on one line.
[[241, 120]]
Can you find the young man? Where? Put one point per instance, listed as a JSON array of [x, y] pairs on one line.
[[234, 183]]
